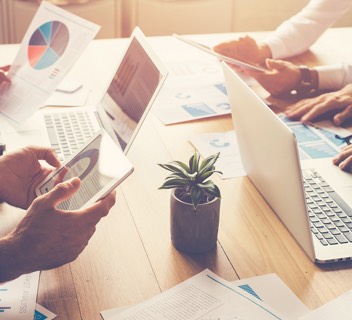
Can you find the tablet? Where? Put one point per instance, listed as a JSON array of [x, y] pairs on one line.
[[101, 166], [220, 56]]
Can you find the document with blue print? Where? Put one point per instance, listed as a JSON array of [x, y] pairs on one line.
[[42, 313], [317, 140], [18, 297], [202, 297], [53, 42]]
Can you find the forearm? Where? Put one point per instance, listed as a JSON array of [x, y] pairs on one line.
[[12, 262], [297, 34]]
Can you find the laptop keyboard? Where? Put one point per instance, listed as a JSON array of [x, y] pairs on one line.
[[68, 131], [330, 216]]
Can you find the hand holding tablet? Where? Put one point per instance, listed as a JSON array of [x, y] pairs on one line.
[[227, 59], [101, 166]]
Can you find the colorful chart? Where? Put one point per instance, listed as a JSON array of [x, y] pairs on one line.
[[47, 44]]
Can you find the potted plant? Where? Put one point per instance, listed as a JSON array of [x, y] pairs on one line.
[[194, 204]]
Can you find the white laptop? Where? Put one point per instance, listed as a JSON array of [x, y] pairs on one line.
[[128, 97], [270, 158]]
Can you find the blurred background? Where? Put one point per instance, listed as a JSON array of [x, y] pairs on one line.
[[117, 18]]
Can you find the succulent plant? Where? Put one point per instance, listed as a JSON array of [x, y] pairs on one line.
[[190, 181]]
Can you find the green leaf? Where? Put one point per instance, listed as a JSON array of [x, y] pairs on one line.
[[208, 163], [206, 175], [194, 162], [174, 183], [215, 191], [196, 195], [175, 166], [207, 184]]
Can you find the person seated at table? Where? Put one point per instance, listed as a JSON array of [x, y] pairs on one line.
[[292, 38], [46, 237]]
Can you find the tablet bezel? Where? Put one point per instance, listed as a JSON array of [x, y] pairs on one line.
[[220, 56], [115, 152]]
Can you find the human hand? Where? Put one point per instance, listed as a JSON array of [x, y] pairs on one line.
[[47, 237], [339, 103], [344, 159], [3, 76], [21, 172], [244, 49], [281, 78]]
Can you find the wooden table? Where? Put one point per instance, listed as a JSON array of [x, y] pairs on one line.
[[130, 258]]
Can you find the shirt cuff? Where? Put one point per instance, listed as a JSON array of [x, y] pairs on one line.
[[334, 77], [277, 48]]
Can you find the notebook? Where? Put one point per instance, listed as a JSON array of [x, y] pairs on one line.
[[270, 158], [121, 111]]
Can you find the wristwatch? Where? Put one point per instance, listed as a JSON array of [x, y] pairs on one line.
[[308, 83]]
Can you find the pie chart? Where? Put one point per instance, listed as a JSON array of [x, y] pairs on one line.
[[47, 44]]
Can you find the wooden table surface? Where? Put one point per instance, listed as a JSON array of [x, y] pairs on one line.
[[130, 258]]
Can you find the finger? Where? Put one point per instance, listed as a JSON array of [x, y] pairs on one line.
[[343, 116], [316, 111], [297, 110], [275, 64], [47, 154], [5, 68], [101, 208], [344, 154], [346, 165], [62, 192], [3, 77]]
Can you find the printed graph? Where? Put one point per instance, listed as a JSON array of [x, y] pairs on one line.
[[47, 44], [3, 308]]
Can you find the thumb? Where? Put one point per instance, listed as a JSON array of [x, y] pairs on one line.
[[63, 191], [275, 64]]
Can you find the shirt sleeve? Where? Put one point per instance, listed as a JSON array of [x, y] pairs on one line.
[[334, 77], [297, 34]]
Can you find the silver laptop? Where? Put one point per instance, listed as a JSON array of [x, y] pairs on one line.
[[313, 198], [121, 111]]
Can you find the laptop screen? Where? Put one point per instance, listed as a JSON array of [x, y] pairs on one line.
[[130, 93]]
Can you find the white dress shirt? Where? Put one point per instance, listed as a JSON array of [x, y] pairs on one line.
[[297, 34]]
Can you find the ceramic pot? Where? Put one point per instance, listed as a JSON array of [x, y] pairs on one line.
[[194, 231]]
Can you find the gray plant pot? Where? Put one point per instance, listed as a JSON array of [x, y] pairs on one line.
[[194, 231]]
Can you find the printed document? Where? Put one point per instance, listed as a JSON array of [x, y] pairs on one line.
[[337, 309], [18, 297], [53, 42], [202, 297]]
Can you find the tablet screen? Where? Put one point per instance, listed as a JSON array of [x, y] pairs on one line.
[[101, 166]]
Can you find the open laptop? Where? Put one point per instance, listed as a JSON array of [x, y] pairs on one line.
[[316, 210], [121, 111]]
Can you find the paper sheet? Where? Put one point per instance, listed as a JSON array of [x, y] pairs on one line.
[[316, 141], [269, 288], [42, 313], [53, 42], [274, 292], [337, 309], [229, 162], [204, 296], [18, 297], [195, 89]]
